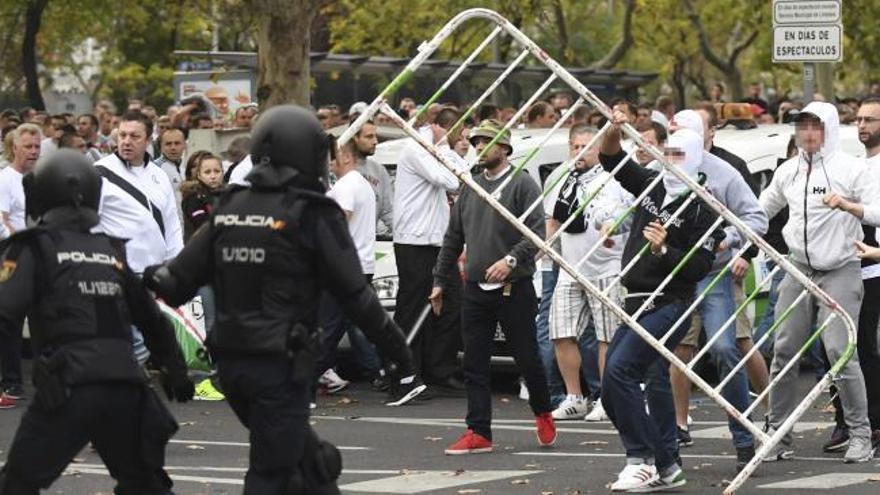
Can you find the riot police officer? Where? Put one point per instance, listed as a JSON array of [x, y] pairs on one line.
[[81, 300], [269, 251]]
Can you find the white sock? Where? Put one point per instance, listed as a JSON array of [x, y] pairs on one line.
[[407, 380]]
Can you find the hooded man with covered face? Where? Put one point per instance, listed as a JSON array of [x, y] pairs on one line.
[[652, 461], [829, 195], [729, 186]]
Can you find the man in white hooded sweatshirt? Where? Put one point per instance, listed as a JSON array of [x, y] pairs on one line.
[[821, 238]]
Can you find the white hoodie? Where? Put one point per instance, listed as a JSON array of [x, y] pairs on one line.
[[818, 236]]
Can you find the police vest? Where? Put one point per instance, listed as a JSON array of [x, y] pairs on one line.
[[265, 272], [80, 308]]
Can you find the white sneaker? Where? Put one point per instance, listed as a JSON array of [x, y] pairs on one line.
[[332, 381], [690, 420], [571, 408], [597, 413], [523, 390], [635, 477]]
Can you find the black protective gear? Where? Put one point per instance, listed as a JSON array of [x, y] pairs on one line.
[[290, 139], [177, 387], [65, 178]]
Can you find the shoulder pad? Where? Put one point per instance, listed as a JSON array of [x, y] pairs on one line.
[[10, 248]]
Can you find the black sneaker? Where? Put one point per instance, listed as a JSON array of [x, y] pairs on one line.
[[15, 392], [684, 437], [380, 384], [839, 440], [401, 393], [743, 456]]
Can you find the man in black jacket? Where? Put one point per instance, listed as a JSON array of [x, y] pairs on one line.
[[81, 299], [269, 251], [651, 461]]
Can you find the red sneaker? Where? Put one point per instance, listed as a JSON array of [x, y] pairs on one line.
[[470, 443], [546, 429], [6, 402]]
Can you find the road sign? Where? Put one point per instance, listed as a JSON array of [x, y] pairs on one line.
[[807, 44], [807, 31], [806, 12]]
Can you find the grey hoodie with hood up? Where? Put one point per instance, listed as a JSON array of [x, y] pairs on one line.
[[819, 236]]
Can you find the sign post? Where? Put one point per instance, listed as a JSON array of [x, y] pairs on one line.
[[807, 31]]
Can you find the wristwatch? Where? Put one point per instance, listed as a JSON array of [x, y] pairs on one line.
[[662, 252], [511, 261]]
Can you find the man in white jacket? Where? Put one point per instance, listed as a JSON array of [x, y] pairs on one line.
[[421, 215], [821, 236], [137, 203]]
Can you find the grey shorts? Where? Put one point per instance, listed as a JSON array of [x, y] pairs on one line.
[[572, 308]]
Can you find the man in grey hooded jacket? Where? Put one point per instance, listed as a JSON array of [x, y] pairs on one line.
[[821, 236]]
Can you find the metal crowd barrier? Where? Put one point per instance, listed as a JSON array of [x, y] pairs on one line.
[[697, 192]]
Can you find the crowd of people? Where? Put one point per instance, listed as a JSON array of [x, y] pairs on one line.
[[156, 193]]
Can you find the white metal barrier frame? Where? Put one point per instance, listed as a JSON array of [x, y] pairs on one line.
[[697, 192]]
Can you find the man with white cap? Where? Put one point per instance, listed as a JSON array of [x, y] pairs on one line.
[[821, 231], [729, 187]]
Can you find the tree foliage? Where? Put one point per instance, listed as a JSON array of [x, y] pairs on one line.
[[690, 43]]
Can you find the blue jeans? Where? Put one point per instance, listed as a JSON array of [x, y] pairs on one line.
[[545, 347], [589, 347], [770, 314], [630, 361], [715, 309]]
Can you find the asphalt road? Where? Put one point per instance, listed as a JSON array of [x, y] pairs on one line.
[[400, 450]]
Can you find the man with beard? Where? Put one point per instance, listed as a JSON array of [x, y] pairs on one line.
[[499, 269], [366, 140], [868, 121]]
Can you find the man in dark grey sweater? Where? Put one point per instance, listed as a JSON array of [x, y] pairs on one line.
[[498, 288]]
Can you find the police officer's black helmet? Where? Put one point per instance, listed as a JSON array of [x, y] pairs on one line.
[[288, 136], [65, 178]]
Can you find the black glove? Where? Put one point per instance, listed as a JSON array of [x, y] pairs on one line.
[[177, 387]]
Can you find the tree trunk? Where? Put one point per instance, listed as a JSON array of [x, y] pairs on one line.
[[33, 18], [626, 39], [283, 41]]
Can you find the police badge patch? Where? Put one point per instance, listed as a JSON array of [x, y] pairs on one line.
[[6, 270]]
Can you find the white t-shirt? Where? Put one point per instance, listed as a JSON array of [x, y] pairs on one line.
[[240, 172], [356, 197], [12, 197], [873, 163]]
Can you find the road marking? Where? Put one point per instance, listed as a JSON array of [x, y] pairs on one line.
[[77, 469], [246, 444], [425, 481], [458, 423], [684, 456], [823, 481], [100, 467], [723, 432]]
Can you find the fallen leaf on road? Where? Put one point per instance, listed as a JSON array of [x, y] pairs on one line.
[[458, 472], [468, 491], [433, 439], [505, 400], [520, 482], [594, 442], [187, 423], [874, 478], [195, 447], [531, 466]]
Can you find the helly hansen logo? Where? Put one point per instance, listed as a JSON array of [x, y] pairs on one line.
[[95, 258], [819, 190], [248, 221]]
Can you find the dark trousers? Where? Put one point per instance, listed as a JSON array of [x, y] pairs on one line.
[[869, 353], [481, 311], [334, 325], [630, 361], [10, 356], [436, 346], [276, 412], [108, 415]]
